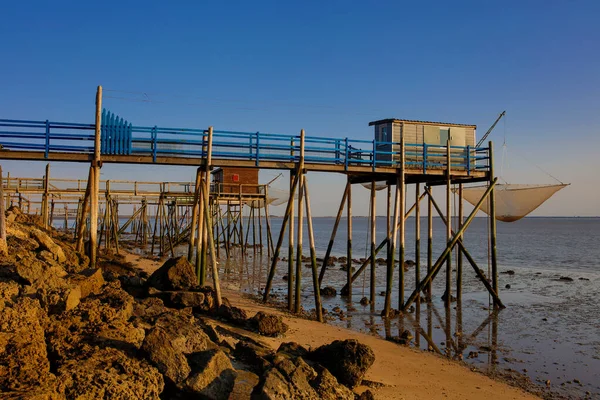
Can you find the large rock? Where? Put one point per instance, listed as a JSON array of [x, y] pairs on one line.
[[185, 332], [107, 373], [56, 300], [149, 309], [24, 363], [293, 378], [292, 349], [46, 243], [328, 387], [179, 298], [212, 376], [268, 324], [99, 320], [38, 273], [163, 355], [232, 314], [174, 336], [175, 274], [255, 356], [90, 281], [347, 360]]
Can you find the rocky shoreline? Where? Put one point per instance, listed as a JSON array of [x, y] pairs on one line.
[[71, 332]]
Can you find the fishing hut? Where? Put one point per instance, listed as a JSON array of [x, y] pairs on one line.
[[401, 153]]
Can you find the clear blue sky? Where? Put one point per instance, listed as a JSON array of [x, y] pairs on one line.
[[327, 67]]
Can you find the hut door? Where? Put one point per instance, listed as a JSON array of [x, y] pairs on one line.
[[444, 136]]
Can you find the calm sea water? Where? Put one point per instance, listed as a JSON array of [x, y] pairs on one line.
[[550, 329]]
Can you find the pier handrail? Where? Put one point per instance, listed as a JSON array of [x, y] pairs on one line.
[[63, 137]]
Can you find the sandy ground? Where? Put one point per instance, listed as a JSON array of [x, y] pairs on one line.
[[406, 373]]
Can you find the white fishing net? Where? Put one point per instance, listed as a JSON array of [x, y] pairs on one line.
[[275, 197], [513, 201], [378, 185]]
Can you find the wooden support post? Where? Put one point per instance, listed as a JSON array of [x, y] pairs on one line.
[[3, 245], [207, 229], [211, 246], [459, 261], [464, 251], [195, 209], [333, 233], [298, 281], [391, 261], [367, 262], [438, 264], [388, 220], [107, 216], [373, 234], [492, 217], [229, 218], [268, 221], [402, 244], [83, 213], [66, 217], [45, 197], [241, 220], [200, 231], [260, 232], [417, 233], [199, 272], [288, 214], [293, 178], [51, 213], [448, 295], [429, 239], [349, 240], [96, 182], [313, 255]]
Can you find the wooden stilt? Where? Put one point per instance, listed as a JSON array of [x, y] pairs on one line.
[[391, 261], [260, 232], [429, 239], [438, 264], [211, 246], [290, 281], [470, 259], [66, 218], [195, 209], [268, 221], [417, 234], [313, 255], [402, 233], [388, 220], [45, 196], [96, 180], [3, 245], [373, 234], [448, 299], [207, 228], [459, 259], [284, 223], [333, 233], [349, 240], [367, 262], [298, 281], [492, 218]]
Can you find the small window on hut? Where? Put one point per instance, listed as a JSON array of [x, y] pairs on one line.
[[382, 134]]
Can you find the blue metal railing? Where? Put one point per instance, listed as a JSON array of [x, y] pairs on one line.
[[121, 138]]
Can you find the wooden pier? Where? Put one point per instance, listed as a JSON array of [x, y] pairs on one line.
[[402, 153]]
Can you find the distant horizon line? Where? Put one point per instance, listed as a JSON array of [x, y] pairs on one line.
[[437, 216]]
